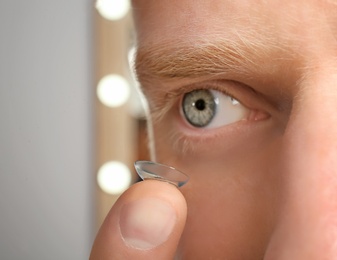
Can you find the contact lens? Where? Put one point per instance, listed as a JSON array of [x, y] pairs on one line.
[[156, 171]]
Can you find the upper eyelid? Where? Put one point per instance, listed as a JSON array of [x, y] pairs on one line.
[[233, 89], [176, 93]]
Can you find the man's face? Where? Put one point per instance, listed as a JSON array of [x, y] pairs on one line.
[[243, 99]]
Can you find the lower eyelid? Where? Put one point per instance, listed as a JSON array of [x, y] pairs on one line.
[[186, 139]]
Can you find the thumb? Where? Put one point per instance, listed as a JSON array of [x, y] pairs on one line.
[[145, 223]]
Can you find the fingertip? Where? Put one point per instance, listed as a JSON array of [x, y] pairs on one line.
[[146, 221]]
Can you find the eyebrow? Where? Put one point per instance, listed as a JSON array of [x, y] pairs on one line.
[[240, 55]]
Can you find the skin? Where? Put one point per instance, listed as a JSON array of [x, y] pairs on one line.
[[265, 186]]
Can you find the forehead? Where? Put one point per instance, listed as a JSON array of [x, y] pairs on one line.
[[188, 20]]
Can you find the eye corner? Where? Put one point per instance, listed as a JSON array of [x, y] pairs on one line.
[[258, 115]]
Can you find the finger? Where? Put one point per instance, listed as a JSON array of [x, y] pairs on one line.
[[145, 223]]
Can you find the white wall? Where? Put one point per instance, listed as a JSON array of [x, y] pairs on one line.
[[46, 129]]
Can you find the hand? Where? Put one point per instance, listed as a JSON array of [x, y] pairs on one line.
[[146, 222]]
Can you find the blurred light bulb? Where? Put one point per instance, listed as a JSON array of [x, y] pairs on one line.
[[114, 177], [113, 9], [113, 90]]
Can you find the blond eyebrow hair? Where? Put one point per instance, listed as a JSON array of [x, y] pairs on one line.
[[240, 55]]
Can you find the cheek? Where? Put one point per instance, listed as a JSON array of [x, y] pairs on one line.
[[231, 194]]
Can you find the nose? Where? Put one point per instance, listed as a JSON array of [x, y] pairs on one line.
[[307, 224]]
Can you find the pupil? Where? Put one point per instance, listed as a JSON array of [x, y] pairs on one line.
[[200, 104]]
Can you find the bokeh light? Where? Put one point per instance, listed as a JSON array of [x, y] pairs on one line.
[[114, 177], [113, 9], [113, 90]]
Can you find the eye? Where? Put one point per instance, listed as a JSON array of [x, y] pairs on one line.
[[210, 109]]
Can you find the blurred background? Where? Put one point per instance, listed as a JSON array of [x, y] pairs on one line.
[[72, 123]]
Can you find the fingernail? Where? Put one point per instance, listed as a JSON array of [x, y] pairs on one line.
[[146, 223]]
